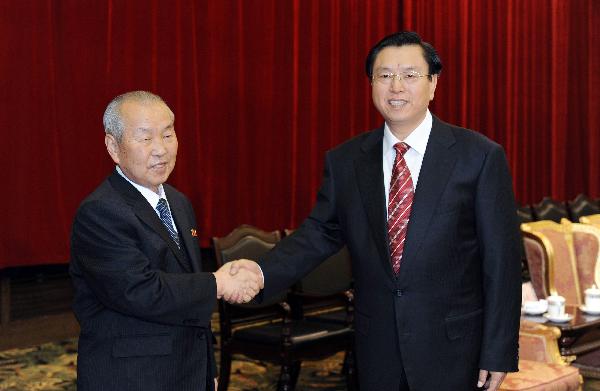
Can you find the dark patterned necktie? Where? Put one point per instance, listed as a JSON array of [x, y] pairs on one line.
[[399, 205], [165, 216]]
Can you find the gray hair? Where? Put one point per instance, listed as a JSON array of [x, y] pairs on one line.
[[112, 120]]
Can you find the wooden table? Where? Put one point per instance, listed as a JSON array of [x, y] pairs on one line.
[[579, 335]]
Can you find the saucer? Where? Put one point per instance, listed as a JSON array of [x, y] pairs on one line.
[[559, 319], [534, 311], [590, 311]]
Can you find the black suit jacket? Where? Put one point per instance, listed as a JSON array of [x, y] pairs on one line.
[[454, 308], [143, 304]]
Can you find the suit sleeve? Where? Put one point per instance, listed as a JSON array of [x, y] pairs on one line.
[[499, 237], [106, 254], [315, 240]]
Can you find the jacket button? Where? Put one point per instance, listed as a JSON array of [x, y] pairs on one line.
[[398, 292]]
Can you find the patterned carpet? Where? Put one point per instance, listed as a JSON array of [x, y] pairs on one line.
[[51, 367]]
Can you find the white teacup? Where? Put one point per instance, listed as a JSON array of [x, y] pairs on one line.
[[592, 298], [556, 306], [535, 306]]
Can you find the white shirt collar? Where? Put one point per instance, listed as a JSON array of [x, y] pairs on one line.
[[417, 139], [148, 194]]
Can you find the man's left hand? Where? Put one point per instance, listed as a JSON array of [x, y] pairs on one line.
[[491, 383]]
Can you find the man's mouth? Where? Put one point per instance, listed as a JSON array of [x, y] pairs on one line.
[[159, 165], [397, 102]]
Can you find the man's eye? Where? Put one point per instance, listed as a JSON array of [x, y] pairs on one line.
[[410, 76], [385, 76]]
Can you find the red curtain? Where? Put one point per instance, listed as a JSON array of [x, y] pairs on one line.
[[260, 90], [525, 73]]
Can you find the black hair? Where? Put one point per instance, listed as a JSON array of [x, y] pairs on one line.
[[401, 39]]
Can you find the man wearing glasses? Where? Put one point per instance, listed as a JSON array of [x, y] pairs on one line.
[[428, 214]]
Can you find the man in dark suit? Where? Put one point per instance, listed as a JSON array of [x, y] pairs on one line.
[[141, 298], [428, 214]]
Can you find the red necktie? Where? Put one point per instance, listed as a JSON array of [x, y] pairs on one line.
[[399, 205]]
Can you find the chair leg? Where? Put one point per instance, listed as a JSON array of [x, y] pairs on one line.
[[285, 378], [224, 371], [294, 373], [349, 369]]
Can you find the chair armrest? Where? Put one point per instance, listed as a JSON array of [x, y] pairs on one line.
[[538, 342], [244, 315], [308, 303]]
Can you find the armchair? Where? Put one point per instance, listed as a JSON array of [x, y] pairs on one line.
[[540, 365]]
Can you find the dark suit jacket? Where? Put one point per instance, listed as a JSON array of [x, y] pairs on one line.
[[143, 304], [454, 308]]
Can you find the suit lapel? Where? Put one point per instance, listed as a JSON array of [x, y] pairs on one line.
[[145, 213], [438, 163], [369, 175], [184, 226]]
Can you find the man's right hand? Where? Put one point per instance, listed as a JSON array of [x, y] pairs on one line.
[[237, 286], [249, 265]]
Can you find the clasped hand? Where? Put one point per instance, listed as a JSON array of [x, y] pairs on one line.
[[239, 281]]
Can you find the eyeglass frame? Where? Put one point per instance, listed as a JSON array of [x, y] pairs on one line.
[[402, 77]]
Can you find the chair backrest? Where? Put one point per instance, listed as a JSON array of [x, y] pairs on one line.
[[582, 206], [250, 243], [333, 275], [590, 219], [525, 214], [586, 239], [549, 209], [552, 260]]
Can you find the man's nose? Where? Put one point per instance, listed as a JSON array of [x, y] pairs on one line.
[[397, 83], [158, 147]]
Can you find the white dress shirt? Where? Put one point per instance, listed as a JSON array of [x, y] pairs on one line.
[[151, 196], [417, 141]]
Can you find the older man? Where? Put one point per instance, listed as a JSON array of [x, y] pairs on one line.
[[141, 298]]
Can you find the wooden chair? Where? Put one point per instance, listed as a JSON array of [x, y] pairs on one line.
[[325, 295], [551, 259], [582, 206], [326, 292], [540, 365], [267, 331], [549, 209]]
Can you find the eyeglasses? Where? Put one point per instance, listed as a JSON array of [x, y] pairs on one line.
[[409, 77]]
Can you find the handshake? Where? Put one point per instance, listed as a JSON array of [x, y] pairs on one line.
[[239, 281]]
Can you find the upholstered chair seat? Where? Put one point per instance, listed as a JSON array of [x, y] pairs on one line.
[[538, 376]]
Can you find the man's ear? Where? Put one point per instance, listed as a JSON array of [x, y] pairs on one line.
[[112, 146], [432, 85]]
